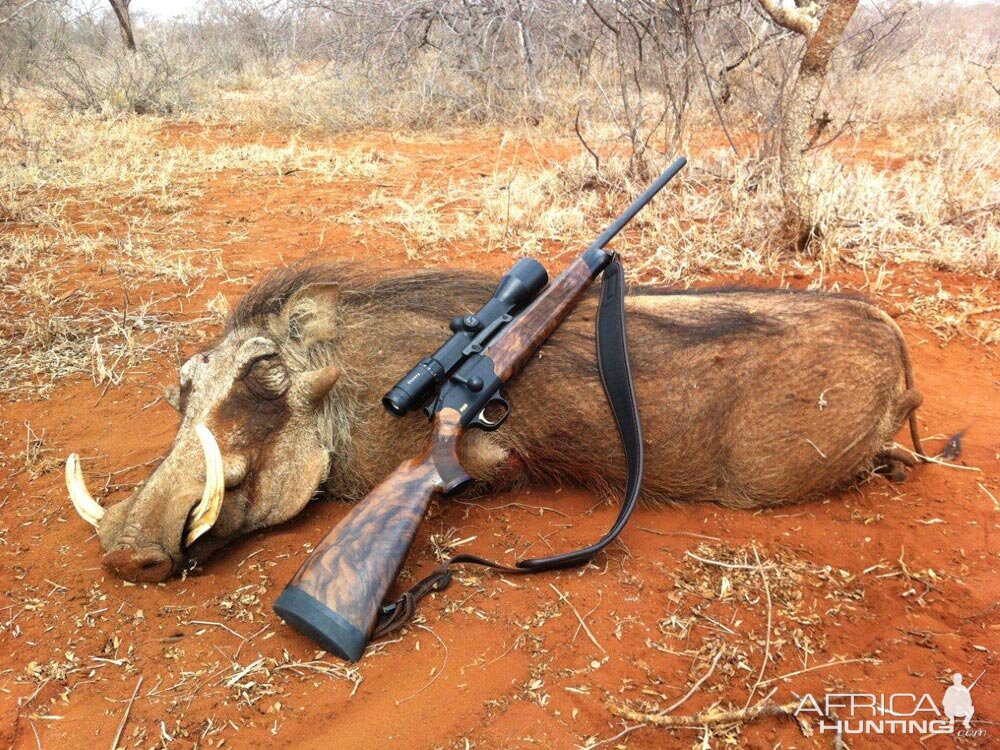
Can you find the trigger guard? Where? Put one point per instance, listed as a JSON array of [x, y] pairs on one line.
[[486, 425]]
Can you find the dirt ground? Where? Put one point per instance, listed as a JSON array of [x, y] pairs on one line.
[[889, 588]]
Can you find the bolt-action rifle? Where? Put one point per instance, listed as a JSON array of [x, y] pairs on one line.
[[337, 595]]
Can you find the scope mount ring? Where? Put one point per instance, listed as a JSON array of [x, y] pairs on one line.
[[487, 425]]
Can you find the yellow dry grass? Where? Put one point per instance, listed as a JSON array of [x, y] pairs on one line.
[[721, 216], [91, 197]]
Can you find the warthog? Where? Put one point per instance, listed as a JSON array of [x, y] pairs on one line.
[[749, 398]]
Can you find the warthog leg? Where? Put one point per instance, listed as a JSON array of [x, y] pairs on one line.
[[892, 463]]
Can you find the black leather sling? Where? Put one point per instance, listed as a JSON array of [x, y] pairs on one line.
[[616, 376]]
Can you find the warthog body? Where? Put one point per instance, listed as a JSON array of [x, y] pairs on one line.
[[748, 397]]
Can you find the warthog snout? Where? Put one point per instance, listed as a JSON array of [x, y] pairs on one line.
[[150, 565]]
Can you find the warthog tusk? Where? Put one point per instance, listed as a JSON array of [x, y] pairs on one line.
[[206, 512], [85, 505]]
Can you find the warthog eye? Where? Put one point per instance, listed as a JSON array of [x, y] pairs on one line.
[[266, 377]]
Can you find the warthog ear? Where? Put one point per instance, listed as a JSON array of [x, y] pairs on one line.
[[172, 395], [310, 314]]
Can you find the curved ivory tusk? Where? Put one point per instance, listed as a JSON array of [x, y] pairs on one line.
[[85, 505], [206, 512]]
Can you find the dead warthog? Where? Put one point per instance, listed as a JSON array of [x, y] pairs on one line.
[[748, 398]]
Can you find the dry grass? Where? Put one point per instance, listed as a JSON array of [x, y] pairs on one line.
[[974, 313], [345, 98], [252, 676], [747, 621], [100, 253], [722, 214]]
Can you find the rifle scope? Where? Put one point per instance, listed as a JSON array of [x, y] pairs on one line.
[[516, 289]]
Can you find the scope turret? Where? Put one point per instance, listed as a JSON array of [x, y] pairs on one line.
[[516, 290]]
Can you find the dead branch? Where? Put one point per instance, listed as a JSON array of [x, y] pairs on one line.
[[709, 717], [120, 7]]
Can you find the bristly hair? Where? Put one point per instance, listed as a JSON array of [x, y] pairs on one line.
[[438, 294], [430, 293]]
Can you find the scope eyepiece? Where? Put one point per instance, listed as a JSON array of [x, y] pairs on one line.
[[414, 389]]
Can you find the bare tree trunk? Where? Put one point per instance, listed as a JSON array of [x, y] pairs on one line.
[[822, 38], [528, 54], [120, 7]]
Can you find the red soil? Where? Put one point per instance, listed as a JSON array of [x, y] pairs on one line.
[[492, 664]]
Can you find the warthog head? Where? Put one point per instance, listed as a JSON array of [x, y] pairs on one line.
[[248, 452]]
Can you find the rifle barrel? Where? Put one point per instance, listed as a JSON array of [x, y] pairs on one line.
[[637, 205]]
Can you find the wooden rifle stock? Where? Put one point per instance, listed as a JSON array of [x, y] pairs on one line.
[[336, 595]]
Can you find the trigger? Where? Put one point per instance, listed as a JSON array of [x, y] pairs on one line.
[[483, 423]]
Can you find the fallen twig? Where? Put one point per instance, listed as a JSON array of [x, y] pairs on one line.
[[218, 625], [679, 533], [767, 642], [710, 717], [585, 616], [524, 506], [996, 503], [865, 660], [626, 731], [576, 612], [38, 741], [714, 717], [128, 711], [936, 460], [697, 684], [719, 563], [437, 673]]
